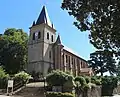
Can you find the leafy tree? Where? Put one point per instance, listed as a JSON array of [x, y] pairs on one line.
[[13, 50], [102, 61], [118, 69], [101, 18]]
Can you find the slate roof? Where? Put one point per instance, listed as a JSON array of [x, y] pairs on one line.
[[44, 18], [73, 52]]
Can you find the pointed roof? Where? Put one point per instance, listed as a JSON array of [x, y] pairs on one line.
[[33, 23], [43, 17], [58, 41]]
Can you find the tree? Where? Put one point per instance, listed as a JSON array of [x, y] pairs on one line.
[[118, 69], [102, 61], [101, 18], [13, 50]]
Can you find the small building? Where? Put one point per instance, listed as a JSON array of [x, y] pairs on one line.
[[45, 52]]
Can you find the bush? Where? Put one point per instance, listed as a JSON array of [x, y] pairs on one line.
[[96, 80], [88, 80], [86, 87], [56, 78], [108, 84], [3, 78], [22, 76], [58, 94], [81, 80]]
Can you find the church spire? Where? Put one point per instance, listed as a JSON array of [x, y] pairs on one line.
[[44, 18], [58, 41]]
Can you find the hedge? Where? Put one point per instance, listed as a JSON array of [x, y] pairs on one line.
[[59, 94]]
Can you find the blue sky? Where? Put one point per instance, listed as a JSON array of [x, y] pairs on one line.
[[21, 14]]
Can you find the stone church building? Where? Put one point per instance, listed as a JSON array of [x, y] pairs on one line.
[[46, 52]]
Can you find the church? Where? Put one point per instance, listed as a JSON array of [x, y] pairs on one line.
[[46, 51]]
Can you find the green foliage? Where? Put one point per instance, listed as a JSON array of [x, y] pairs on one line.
[[86, 87], [3, 78], [101, 19], [96, 80], [118, 69], [13, 50], [102, 61], [58, 78], [108, 84], [88, 80], [22, 76], [81, 80], [58, 94], [69, 82], [82, 85], [110, 81]]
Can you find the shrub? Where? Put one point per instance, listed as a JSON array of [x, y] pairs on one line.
[[88, 80], [81, 80], [108, 84], [92, 85], [3, 78], [58, 94], [96, 80], [56, 78], [69, 82], [22, 76]]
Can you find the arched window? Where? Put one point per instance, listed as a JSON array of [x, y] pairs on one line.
[[52, 38], [33, 36], [39, 35], [48, 36]]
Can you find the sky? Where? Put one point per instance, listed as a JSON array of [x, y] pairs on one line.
[[21, 13]]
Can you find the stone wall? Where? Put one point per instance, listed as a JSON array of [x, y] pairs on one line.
[[93, 92], [116, 90]]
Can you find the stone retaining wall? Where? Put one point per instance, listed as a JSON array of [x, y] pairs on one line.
[[93, 92]]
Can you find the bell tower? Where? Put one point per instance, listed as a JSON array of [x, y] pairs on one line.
[[41, 39]]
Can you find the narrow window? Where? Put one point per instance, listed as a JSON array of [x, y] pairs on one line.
[[81, 65], [74, 64], [52, 38], [39, 35], [50, 54], [66, 59], [33, 36], [69, 59], [48, 36], [72, 60]]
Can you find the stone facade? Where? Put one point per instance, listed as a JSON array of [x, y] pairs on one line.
[[46, 52]]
